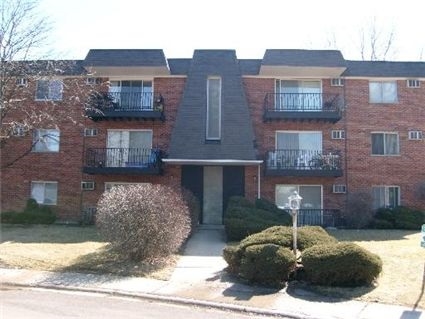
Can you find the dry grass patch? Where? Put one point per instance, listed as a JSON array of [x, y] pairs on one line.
[[402, 280], [69, 248]]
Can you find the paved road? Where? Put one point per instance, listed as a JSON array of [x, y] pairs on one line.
[[53, 304]]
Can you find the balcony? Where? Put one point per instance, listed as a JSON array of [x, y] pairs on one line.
[[303, 163], [125, 105], [134, 161], [303, 106]]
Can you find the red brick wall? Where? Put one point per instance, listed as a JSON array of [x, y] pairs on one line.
[[265, 134], [406, 170]]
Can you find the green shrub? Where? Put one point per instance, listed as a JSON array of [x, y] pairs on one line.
[[239, 201], [232, 255], [381, 224], [399, 217], [241, 221], [32, 214], [267, 264], [144, 222], [307, 236], [342, 264]]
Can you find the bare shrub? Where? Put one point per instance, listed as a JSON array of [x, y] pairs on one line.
[[194, 208], [359, 212], [145, 222]]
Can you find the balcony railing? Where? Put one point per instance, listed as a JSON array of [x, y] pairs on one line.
[[319, 217], [101, 105], [122, 161], [313, 106], [303, 163]]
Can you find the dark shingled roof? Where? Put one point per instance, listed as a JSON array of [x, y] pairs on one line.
[[46, 68], [179, 66], [237, 135], [292, 57], [118, 57], [385, 69], [250, 66]]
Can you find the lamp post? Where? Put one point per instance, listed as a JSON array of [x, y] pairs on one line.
[[294, 205]]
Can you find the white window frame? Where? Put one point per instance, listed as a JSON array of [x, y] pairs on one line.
[[413, 83], [338, 134], [381, 100], [337, 82], [50, 90], [387, 193], [298, 188], [44, 195], [36, 135], [87, 185], [339, 188], [109, 185], [415, 135], [90, 132], [207, 133], [384, 146]]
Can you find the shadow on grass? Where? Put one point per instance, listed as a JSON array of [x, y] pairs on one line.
[[371, 234], [109, 261], [59, 234]]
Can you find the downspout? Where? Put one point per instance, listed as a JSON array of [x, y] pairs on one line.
[[259, 182]]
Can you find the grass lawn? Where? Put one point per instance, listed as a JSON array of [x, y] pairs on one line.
[[69, 248], [402, 280]]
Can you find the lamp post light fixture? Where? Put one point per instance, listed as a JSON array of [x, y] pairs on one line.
[[294, 204]]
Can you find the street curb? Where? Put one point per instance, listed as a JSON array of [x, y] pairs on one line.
[[167, 299]]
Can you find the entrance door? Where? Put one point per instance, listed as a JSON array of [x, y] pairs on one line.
[[213, 195]]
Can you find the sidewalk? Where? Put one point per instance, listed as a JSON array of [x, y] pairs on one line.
[[199, 280]]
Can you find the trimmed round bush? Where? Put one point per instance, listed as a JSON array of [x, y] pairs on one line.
[[307, 236], [145, 222], [342, 264], [232, 255], [267, 264]]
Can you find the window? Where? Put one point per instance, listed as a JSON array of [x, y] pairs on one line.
[[337, 82], [338, 134], [383, 92], [311, 194], [213, 109], [298, 95], [385, 144], [45, 193], [412, 83], [109, 185], [385, 196], [49, 90], [46, 140], [132, 95], [87, 186], [415, 135], [90, 131], [129, 148], [339, 189]]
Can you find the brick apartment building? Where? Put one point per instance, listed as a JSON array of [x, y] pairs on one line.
[[305, 120]]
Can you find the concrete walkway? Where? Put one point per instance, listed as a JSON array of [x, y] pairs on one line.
[[200, 279]]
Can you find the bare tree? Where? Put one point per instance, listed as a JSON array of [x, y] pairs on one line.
[[23, 36], [375, 43]]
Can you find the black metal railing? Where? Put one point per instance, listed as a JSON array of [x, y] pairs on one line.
[[303, 102], [303, 160], [319, 217], [122, 157], [125, 101]]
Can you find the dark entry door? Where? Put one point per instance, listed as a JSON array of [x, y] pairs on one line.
[[233, 183]]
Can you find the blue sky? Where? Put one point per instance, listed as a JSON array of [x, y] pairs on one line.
[[248, 26]]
